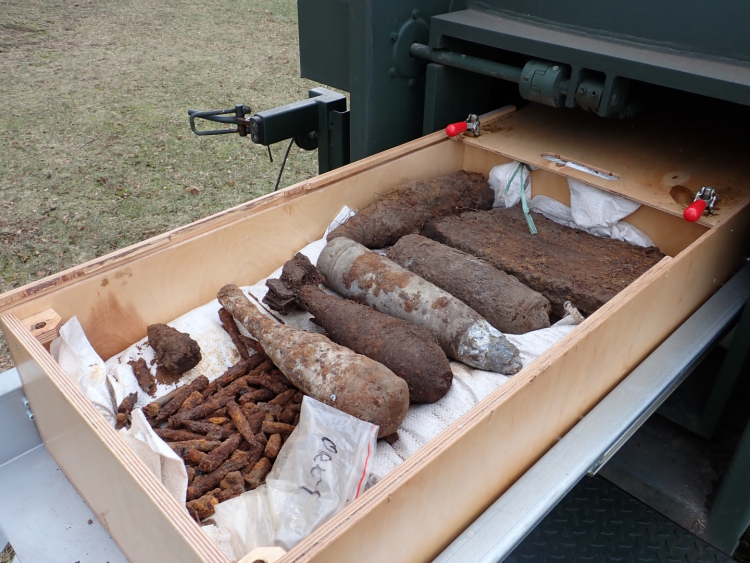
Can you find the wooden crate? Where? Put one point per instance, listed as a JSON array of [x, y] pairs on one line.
[[413, 513]]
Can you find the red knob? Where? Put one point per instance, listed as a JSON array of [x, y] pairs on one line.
[[694, 211], [456, 128]]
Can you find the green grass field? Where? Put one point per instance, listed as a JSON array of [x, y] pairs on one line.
[[95, 148]]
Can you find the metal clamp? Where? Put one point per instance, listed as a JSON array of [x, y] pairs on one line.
[[473, 124], [709, 196], [222, 116]]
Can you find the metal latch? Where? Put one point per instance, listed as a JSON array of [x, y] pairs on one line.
[[705, 200], [222, 116], [471, 125]]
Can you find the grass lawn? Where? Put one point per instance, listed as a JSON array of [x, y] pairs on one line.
[[95, 148]]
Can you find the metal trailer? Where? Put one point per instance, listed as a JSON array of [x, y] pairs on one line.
[[413, 68]]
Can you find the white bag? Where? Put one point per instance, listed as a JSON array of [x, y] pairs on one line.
[[323, 466]]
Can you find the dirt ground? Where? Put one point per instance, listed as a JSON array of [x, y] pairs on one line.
[[95, 148]]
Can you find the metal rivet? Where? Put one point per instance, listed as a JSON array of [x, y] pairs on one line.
[[582, 90], [394, 36], [555, 67]]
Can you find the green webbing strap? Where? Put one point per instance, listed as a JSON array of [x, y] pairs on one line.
[[524, 205]]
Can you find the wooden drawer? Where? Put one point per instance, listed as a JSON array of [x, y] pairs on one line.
[[413, 513]]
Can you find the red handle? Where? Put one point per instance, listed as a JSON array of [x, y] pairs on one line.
[[456, 128], [694, 211]]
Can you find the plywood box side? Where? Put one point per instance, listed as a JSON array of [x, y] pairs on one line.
[[422, 506], [648, 157], [116, 306], [136, 510]]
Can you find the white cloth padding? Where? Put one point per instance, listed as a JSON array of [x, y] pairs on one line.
[[500, 176], [166, 465], [78, 359]]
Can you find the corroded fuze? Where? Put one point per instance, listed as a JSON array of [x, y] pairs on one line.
[[406, 209], [330, 373], [506, 303], [365, 276]]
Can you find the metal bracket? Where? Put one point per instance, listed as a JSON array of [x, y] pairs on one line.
[[221, 116], [709, 196], [321, 121]]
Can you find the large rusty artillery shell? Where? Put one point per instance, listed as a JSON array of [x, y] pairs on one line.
[[330, 373], [408, 207], [561, 263], [505, 302], [365, 276]]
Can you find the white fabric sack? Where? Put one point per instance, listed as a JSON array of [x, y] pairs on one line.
[[500, 176], [166, 465], [592, 207], [322, 467], [78, 359], [562, 214], [592, 210]]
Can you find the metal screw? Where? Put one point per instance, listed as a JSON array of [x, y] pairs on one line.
[[526, 78], [393, 71], [30, 415], [394, 36], [582, 90], [414, 14], [25, 402], [555, 67]]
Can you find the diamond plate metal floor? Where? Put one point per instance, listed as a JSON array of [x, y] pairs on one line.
[[597, 522]]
